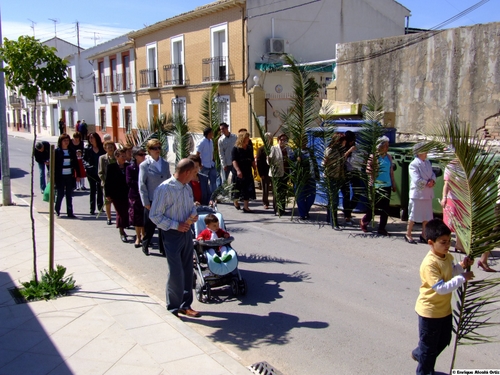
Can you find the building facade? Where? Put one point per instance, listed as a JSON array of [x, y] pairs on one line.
[[179, 59], [113, 78]]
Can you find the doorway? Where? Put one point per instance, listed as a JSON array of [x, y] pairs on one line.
[[115, 121]]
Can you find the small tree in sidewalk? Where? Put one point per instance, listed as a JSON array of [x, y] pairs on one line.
[[30, 68]]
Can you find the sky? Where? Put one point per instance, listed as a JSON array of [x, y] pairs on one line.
[[102, 20]]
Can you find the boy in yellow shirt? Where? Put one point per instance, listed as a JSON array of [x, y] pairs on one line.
[[440, 277]]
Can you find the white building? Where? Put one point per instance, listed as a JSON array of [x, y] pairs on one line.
[[309, 31], [113, 74]]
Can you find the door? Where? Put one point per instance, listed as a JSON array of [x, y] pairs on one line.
[[63, 116], [115, 121]]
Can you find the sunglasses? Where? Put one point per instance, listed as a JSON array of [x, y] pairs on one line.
[[140, 154], [156, 148]]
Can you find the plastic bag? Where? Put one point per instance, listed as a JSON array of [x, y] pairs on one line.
[[46, 193]]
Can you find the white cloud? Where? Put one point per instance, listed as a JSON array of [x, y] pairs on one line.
[[89, 34]]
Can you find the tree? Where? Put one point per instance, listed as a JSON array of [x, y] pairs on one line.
[[31, 68], [210, 118]]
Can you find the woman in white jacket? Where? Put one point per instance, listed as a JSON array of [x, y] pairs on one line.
[[422, 181]]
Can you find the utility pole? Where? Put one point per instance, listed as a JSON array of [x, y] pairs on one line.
[[33, 23], [95, 38], [4, 141], [78, 36]]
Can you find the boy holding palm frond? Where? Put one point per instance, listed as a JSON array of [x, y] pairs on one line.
[[440, 277]]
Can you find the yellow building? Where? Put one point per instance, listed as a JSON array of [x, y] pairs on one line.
[[180, 58]]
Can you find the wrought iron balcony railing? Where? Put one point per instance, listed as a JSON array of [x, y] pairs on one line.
[[173, 75], [14, 100], [122, 82], [216, 69], [149, 78]]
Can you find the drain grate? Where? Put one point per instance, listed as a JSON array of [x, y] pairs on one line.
[[263, 368]]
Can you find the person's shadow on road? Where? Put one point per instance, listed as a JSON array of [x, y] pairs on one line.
[[234, 328]]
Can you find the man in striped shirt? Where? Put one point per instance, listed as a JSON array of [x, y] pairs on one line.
[[173, 211]]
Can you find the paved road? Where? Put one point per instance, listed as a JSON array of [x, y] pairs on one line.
[[319, 301]]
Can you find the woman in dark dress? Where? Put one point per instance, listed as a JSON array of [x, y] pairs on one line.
[[91, 156], [116, 190], [66, 166], [135, 207], [243, 167]]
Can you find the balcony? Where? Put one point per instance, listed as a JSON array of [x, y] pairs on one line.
[[39, 99], [15, 101], [122, 82], [216, 69], [149, 79], [173, 75], [102, 84], [61, 95]]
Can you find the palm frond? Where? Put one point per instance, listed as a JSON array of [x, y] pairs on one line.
[[473, 173], [157, 129], [178, 128], [210, 118], [368, 136], [301, 116]]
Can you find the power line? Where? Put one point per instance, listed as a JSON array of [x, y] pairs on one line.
[[281, 10], [417, 39]]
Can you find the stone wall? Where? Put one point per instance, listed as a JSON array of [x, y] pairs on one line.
[[426, 77]]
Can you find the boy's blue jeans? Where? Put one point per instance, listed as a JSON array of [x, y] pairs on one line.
[[435, 336]]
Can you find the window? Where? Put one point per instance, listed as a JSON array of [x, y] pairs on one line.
[[100, 77], [152, 76], [102, 119], [177, 48], [127, 78], [44, 117], [127, 115], [179, 107], [114, 81], [218, 41], [224, 108], [153, 110]]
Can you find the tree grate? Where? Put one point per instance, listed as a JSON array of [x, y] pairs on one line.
[[263, 368]]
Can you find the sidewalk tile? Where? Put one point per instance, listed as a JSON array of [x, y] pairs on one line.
[[31, 363], [120, 369], [80, 366], [50, 323], [231, 364], [137, 356], [189, 366], [109, 346], [8, 355], [19, 339], [154, 333], [172, 350]]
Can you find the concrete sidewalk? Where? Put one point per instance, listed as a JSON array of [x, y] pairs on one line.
[[106, 326]]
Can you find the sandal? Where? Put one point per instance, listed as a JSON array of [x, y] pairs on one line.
[[237, 206], [410, 240], [485, 267]]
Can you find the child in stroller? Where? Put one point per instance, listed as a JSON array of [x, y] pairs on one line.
[[216, 262], [212, 232]]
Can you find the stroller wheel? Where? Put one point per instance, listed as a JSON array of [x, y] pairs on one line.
[[235, 287], [243, 287], [203, 293]]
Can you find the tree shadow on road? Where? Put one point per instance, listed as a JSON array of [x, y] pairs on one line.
[[17, 173], [273, 329]]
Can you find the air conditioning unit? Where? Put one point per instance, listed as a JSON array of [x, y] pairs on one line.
[[276, 45]]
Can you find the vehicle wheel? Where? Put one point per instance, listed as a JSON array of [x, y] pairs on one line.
[[243, 287], [234, 287]]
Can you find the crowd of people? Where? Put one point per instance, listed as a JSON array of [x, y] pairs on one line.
[[127, 178]]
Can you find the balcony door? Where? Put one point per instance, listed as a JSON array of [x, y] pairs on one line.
[[115, 121], [219, 52], [178, 60]]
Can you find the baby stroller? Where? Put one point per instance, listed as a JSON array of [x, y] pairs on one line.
[[209, 274]]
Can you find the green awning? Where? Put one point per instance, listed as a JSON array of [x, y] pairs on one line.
[[274, 67]]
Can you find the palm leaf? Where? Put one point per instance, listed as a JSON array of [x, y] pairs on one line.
[[301, 116], [210, 118], [368, 136], [473, 179], [157, 129], [178, 128]]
